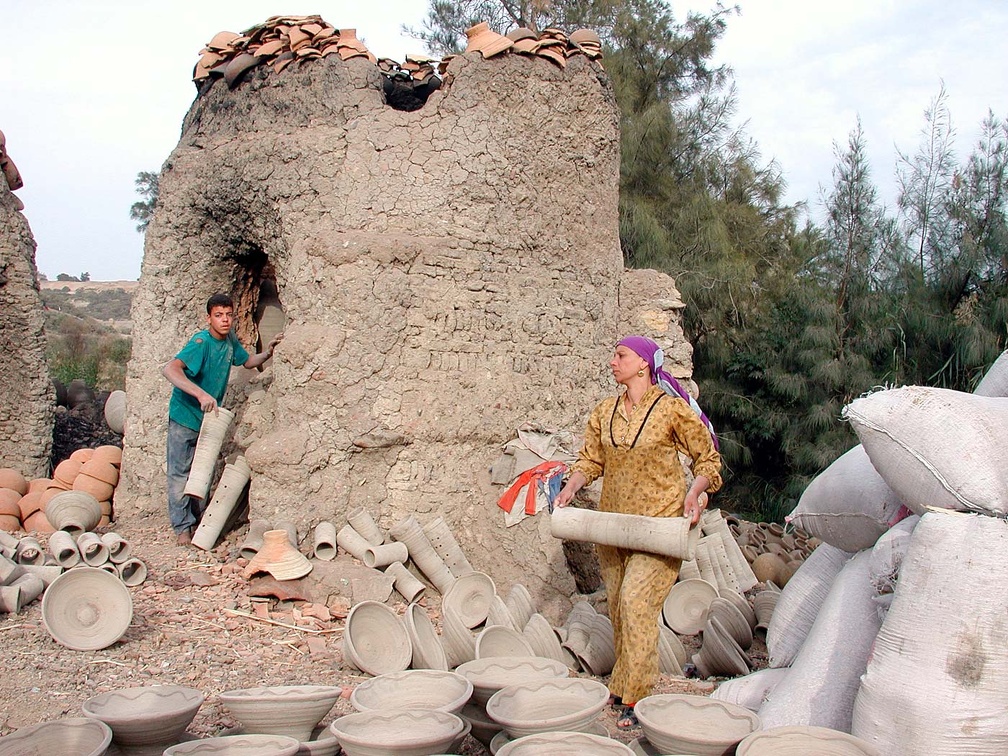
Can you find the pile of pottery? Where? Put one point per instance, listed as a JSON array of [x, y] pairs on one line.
[[552, 44], [277, 43], [93, 473], [773, 553]]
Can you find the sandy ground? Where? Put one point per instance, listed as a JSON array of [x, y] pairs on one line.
[[194, 623]]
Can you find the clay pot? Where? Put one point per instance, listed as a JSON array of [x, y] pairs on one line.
[[408, 531], [118, 547], [107, 453], [38, 523], [378, 557], [254, 538], [519, 603], [79, 736], [278, 557], [28, 505], [87, 609], [233, 482], [115, 411], [486, 41], [685, 608], [9, 502], [10, 524], [444, 544], [64, 549], [404, 581], [459, 643], [500, 640], [767, 567], [543, 639], [132, 572], [676, 723], [547, 743], [21, 592], [208, 445], [415, 689], [798, 741], [291, 710], [362, 521], [82, 455], [324, 541], [720, 654], [101, 490], [246, 745], [9, 569], [14, 480], [499, 614], [470, 598], [375, 639], [546, 705], [481, 726], [100, 470], [671, 654], [669, 536], [764, 604], [428, 653], [92, 550], [733, 620], [29, 551], [742, 604], [353, 542], [152, 715], [47, 573], [66, 471], [386, 733]]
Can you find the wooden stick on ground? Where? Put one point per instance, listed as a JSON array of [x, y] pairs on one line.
[[248, 615]]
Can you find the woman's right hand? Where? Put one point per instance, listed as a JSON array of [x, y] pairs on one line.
[[574, 484]]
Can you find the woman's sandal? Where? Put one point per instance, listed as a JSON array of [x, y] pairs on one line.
[[614, 701], [627, 719]]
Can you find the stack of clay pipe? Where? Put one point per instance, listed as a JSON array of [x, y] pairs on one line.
[[23, 502]]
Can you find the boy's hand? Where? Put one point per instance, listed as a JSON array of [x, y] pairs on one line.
[[274, 342], [208, 403]]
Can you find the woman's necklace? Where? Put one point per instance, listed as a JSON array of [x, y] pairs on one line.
[[633, 408]]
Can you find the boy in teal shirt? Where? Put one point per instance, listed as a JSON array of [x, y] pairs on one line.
[[199, 374]]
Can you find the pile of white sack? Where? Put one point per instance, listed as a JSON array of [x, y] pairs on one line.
[[896, 628]]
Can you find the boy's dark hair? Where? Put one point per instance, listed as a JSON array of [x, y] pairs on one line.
[[219, 300]]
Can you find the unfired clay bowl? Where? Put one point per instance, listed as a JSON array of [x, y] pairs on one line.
[[491, 674], [397, 732], [413, 689], [470, 596], [798, 741], [79, 736], [291, 710], [375, 639], [237, 745], [323, 743], [502, 738], [548, 705], [143, 716], [676, 723], [564, 744]]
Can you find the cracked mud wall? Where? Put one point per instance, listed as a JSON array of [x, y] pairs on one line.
[[27, 400], [447, 275]]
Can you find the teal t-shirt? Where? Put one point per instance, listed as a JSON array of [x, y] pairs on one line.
[[207, 363]]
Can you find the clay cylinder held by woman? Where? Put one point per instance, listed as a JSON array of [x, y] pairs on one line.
[[669, 536], [364, 524], [384, 555], [324, 541], [64, 549], [404, 581], [229, 490], [208, 446]]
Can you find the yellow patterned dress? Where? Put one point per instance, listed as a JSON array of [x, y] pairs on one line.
[[638, 457]]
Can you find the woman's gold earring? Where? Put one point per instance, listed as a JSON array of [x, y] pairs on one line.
[[640, 373]]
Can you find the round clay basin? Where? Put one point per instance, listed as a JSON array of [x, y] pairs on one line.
[[323, 743], [547, 705], [564, 744], [291, 710], [145, 716], [500, 640], [685, 608], [798, 741], [397, 732], [375, 639], [676, 723], [483, 728], [237, 745], [87, 609], [470, 597], [502, 738], [79, 736], [496, 672], [413, 689]]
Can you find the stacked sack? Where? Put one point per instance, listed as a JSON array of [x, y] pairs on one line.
[[893, 630]]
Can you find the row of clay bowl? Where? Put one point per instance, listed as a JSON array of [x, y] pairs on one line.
[[91, 474]]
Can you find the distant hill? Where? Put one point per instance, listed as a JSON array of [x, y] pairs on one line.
[[101, 300]]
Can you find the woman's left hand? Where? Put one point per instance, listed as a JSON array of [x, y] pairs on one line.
[[694, 505]]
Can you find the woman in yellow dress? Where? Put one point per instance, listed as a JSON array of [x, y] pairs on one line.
[[633, 440]]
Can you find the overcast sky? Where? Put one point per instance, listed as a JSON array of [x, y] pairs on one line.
[[93, 92]]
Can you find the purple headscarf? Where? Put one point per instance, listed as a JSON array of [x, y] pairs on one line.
[[650, 352]]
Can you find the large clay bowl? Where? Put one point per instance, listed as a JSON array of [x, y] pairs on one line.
[[375, 639], [79, 736], [676, 723], [502, 738], [496, 672], [237, 745], [501, 640], [291, 710], [470, 597], [74, 511], [428, 651], [397, 732], [548, 705], [87, 609], [144, 716], [564, 744], [798, 741], [413, 689], [323, 743], [482, 727], [685, 608]]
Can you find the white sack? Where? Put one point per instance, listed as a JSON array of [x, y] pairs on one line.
[[820, 688], [937, 447], [888, 552], [847, 505], [750, 690], [995, 380], [937, 682], [799, 603]]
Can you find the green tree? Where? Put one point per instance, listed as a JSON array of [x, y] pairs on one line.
[[142, 210]]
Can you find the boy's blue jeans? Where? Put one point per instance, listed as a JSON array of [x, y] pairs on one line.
[[184, 512]]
